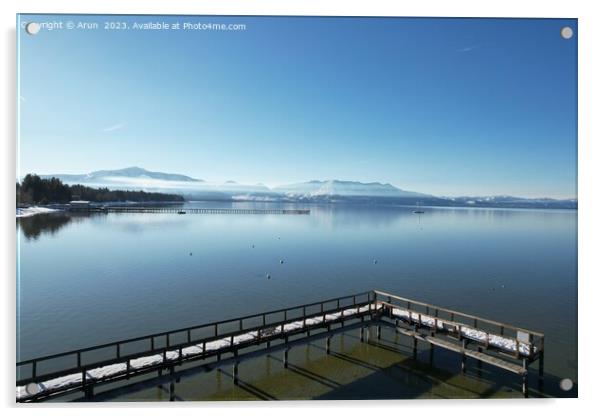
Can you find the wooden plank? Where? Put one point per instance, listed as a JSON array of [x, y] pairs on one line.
[[444, 344], [497, 362]]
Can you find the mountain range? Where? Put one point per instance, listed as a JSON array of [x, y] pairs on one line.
[[132, 172], [345, 188], [327, 191]]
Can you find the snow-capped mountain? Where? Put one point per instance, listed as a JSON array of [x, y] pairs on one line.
[[345, 188], [120, 174]]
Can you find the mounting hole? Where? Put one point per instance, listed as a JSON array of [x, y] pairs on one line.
[[566, 384], [32, 388], [566, 32], [32, 28]]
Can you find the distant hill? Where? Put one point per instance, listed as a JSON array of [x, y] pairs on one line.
[[506, 201]]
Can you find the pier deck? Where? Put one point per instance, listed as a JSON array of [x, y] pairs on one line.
[[494, 343], [175, 210]]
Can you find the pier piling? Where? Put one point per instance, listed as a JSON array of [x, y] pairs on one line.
[[235, 368], [172, 384], [463, 365], [285, 357]]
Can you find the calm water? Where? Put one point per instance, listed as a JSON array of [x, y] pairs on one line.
[[85, 280]]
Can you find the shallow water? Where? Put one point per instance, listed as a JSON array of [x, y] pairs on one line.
[[90, 279]]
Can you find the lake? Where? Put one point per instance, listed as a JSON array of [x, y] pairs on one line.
[[91, 279]]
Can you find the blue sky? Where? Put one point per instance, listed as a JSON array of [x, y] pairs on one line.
[[443, 106]]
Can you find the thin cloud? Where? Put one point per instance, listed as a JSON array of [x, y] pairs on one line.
[[466, 49], [117, 126]]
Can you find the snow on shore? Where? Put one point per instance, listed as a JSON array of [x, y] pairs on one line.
[[31, 211]]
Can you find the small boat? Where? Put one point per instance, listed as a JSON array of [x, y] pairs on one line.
[[180, 212], [418, 210]]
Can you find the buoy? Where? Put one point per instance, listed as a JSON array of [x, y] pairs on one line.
[[268, 276], [252, 245], [281, 261], [375, 261], [191, 254]]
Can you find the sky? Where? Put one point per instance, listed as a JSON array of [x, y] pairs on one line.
[[448, 107]]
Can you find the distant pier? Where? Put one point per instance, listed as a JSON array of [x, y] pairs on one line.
[[175, 210], [500, 345]]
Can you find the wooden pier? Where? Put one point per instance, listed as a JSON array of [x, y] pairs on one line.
[[175, 210], [501, 345]]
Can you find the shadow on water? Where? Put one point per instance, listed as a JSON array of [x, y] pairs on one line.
[[33, 227], [374, 370], [250, 388], [431, 376], [325, 381]]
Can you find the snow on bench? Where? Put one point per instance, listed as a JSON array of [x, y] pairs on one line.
[[508, 344]]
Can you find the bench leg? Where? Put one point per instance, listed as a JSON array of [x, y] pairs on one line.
[[526, 378], [541, 377]]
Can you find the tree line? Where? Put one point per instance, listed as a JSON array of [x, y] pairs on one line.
[[34, 190]]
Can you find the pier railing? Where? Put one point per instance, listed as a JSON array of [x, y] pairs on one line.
[[124, 351], [459, 320]]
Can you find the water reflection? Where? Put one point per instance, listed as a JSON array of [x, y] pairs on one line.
[[323, 216], [33, 227]]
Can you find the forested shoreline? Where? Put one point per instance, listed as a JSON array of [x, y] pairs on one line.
[[33, 190]]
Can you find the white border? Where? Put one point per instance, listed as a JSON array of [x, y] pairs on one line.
[[590, 31]]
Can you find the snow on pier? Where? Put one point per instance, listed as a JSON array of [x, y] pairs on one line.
[[203, 348]]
